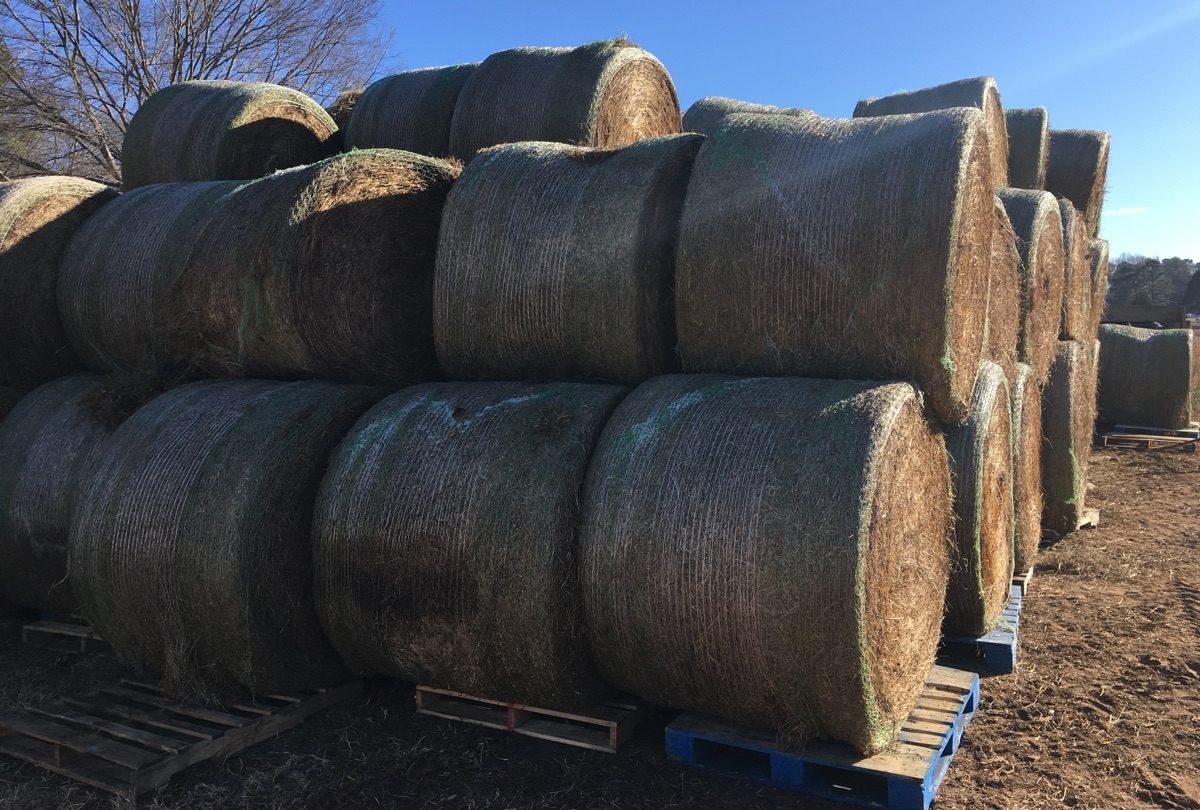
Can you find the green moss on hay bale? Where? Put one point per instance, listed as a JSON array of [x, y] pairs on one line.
[[445, 539], [1098, 264], [1077, 169], [410, 110], [322, 270], [708, 113], [117, 274], [222, 130], [1028, 145], [773, 551], [980, 93], [1004, 296], [1077, 315], [1027, 467], [1145, 376], [190, 545], [840, 248], [557, 262], [605, 94], [38, 215], [1068, 420]]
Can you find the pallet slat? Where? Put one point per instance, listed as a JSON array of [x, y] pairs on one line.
[[998, 646]]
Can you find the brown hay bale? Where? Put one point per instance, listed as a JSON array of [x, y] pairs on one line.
[[1068, 420], [117, 274], [980, 93], [48, 439], [770, 550], [1027, 467], [1077, 169], [410, 110], [605, 94], [1145, 376], [445, 539], [1077, 316], [840, 248], [557, 262], [190, 541], [340, 111], [221, 130], [1004, 297], [323, 270], [1098, 263], [37, 217], [1028, 145], [1037, 221], [708, 113]]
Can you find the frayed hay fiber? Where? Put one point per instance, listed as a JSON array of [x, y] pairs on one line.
[[705, 115], [1027, 467], [1145, 377], [1028, 145], [1077, 317], [1004, 297], [1068, 421], [412, 110], [1098, 263], [1077, 169]]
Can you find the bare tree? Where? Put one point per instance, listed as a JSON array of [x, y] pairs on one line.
[[79, 69]]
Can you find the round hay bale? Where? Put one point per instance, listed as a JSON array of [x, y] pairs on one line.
[[1098, 263], [190, 546], [840, 248], [47, 439], [445, 539], [773, 551], [1037, 221], [340, 111], [1068, 420], [1145, 376], [117, 273], [981, 466], [605, 94], [222, 130], [708, 113], [1077, 169], [323, 270], [557, 262], [1028, 145], [1027, 467], [1004, 297], [410, 110], [980, 93], [38, 215], [1077, 317], [9, 397]]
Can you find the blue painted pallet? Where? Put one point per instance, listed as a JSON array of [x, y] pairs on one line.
[[904, 777], [999, 646]]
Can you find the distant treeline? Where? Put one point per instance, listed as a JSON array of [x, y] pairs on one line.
[[1141, 280]]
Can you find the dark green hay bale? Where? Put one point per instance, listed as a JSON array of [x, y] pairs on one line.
[[1028, 145], [1145, 376], [773, 551], [38, 215], [322, 270], [221, 130], [980, 93], [117, 274], [1027, 467], [410, 110], [1068, 420], [46, 442], [1037, 221], [9, 397], [190, 546], [707, 114], [840, 248], [1098, 263], [981, 466], [1077, 315], [556, 262], [1077, 169], [605, 94], [445, 539], [1004, 297]]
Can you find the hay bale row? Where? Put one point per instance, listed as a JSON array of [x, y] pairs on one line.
[[1028, 146], [1004, 296], [412, 110], [1027, 467], [1068, 421], [705, 115], [1077, 169], [1145, 376]]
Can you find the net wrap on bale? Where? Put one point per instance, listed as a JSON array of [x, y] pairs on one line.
[[1027, 467], [412, 110], [1068, 420], [1077, 169], [1028, 145], [1145, 377], [1004, 296], [705, 115], [1077, 316]]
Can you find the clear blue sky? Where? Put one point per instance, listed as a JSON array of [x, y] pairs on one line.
[[1132, 68]]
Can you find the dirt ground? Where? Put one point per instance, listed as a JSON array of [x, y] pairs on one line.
[[1103, 712]]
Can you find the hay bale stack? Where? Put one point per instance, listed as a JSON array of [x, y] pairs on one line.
[[981, 466], [980, 93], [605, 94], [773, 551], [708, 113], [117, 274], [1028, 145], [410, 110], [48, 440], [38, 215], [1145, 376], [840, 248], [222, 130], [1098, 263], [1077, 315], [445, 539], [1037, 221], [557, 262], [190, 542], [1004, 296], [1068, 420], [1027, 467], [323, 270], [1077, 169]]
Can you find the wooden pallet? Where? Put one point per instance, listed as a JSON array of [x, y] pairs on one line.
[[603, 727], [998, 647], [67, 633], [131, 739], [906, 776], [1021, 581], [1147, 441], [1090, 519]]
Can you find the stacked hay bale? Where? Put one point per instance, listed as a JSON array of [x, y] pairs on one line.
[[1077, 169], [1145, 376], [412, 110], [1028, 502], [1098, 264], [1077, 316], [705, 115], [1068, 420], [1028, 146], [1004, 297]]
